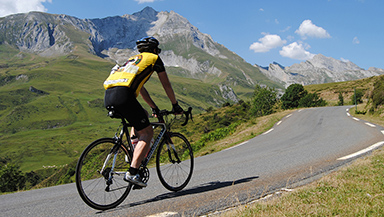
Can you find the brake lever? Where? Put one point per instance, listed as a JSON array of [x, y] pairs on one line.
[[188, 114]]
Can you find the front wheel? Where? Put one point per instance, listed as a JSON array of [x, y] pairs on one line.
[[99, 183], [174, 162]]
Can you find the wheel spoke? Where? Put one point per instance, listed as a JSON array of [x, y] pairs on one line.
[[106, 190], [174, 162]]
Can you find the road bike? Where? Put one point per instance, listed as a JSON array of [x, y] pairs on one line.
[[102, 165]]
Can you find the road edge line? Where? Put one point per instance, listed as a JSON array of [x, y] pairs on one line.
[[370, 148]]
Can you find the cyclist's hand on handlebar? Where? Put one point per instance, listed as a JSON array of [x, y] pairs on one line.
[[176, 109], [155, 112]]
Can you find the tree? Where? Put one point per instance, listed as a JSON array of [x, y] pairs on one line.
[[311, 100], [292, 96], [11, 178], [341, 99], [357, 96], [378, 92], [264, 98]]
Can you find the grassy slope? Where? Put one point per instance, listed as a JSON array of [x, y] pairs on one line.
[[46, 129], [330, 91]]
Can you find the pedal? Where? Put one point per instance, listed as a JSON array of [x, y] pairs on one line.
[[137, 187]]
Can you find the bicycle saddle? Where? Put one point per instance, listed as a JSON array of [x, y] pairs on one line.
[[113, 113]]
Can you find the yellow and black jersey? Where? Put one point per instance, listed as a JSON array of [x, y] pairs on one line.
[[135, 72]]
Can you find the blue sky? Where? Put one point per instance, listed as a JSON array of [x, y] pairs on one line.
[[260, 31]]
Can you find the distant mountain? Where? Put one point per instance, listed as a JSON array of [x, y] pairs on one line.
[[320, 69], [186, 51]]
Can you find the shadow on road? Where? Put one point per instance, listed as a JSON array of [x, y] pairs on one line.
[[211, 186]]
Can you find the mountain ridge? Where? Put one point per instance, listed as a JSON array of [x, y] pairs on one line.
[[319, 69]]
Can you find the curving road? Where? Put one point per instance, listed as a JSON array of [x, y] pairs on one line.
[[301, 147]]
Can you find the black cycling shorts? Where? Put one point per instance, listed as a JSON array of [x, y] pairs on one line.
[[124, 101]]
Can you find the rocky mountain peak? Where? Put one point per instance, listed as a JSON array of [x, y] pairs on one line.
[[321, 61], [147, 13], [319, 69], [278, 64]]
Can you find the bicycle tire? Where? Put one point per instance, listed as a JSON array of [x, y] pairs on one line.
[[91, 185], [174, 162]]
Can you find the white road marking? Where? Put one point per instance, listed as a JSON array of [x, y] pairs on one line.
[[236, 146], [267, 132], [370, 148], [369, 124], [278, 123], [163, 214], [289, 115], [287, 189], [356, 119], [349, 115], [382, 131]]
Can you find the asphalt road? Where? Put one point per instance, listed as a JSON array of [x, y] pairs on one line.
[[300, 148]]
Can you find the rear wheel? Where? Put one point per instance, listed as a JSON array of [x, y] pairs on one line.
[[174, 162], [102, 189]]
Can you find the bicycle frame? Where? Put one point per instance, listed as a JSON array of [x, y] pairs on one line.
[[156, 142], [130, 148]]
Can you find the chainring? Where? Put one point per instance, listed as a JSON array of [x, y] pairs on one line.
[[144, 174]]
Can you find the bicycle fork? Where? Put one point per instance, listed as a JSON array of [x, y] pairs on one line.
[[171, 147], [107, 173]]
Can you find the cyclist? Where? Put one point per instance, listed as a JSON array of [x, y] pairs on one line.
[[123, 86]]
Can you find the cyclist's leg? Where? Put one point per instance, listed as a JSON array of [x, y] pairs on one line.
[[133, 130], [138, 118], [145, 136]]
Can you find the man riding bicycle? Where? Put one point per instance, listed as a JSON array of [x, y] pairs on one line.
[[123, 86]]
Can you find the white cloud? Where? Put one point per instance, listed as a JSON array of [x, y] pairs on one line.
[[296, 51], [356, 40], [261, 9], [308, 29], [267, 43], [21, 6], [144, 1]]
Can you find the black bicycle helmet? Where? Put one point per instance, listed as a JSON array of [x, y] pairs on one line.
[[147, 44]]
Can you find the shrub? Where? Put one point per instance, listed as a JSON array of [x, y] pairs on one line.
[[341, 99], [11, 178], [359, 95], [311, 100], [378, 92], [214, 136], [263, 100], [292, 96]]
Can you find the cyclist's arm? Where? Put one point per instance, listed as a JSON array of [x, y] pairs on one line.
[[147, 98], [163, 77]]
